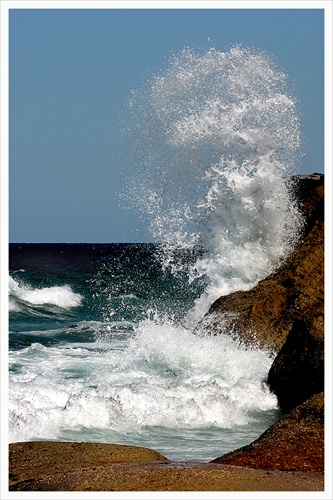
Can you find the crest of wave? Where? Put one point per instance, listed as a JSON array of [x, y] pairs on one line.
[[216, 139]]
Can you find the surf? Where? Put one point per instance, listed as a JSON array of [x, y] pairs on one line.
[[216, 140], [59, 296]]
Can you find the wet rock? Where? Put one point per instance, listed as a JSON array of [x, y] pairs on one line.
[[295, 443], [265, 314], [284, 313], [297, 371]]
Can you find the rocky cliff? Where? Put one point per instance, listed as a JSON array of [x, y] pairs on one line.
[[285, 314]]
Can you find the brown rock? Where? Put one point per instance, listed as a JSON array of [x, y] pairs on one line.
[[297, 371], [34, 459], [285, 314], [265, 314], [287, 308], [46, 466], [296, 442]]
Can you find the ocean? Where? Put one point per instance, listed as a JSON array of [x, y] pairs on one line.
[[100, 352], [104, 344]]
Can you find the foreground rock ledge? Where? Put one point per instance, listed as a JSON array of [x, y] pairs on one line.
[[50, 466]]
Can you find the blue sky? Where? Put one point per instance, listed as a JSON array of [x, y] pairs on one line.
[[71, 72]]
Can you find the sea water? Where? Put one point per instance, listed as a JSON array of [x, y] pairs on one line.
[[103, 339]]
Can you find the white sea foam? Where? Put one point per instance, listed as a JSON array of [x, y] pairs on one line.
[[60, 296], [164, 376], [216, 139]]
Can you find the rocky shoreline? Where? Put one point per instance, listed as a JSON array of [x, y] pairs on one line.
[[49, 466], [284, 313]]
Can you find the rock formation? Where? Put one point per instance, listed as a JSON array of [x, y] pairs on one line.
[[295, 443], [91, 467], [285, 314]]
